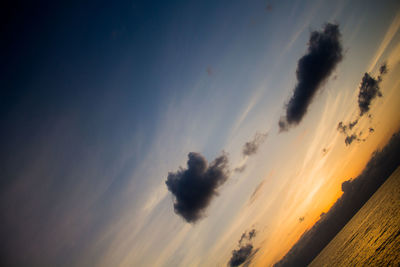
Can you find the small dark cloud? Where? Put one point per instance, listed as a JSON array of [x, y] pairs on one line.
[[355, 193], [325, 151], [324, 53], [383, 69], [354, 137], [344, 128], [252, 146], [371, 130], [240, 169], [244, 253], [247, 236], [283, 125], [352, 124], [301, 219], [252, 234], [243, 237], [240, 255], [369, 89], [194, 187], [268, 7], [350, 138]]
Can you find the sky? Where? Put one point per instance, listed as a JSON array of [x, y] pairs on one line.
[[159, 133]]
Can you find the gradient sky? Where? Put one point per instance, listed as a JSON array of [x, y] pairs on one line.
[[100, 101]]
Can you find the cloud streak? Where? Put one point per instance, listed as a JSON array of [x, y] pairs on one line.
[[323, 55], [195, 187]]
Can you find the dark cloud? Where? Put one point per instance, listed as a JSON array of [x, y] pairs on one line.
[[371, 130], [301, 219], [247, 236], [240, 255], [252, 146], [354, 138], [343, 128], [346, 129], [369, 89], [355, 193], [283, 125], [242, 238], [352, 124], [350, 138], [324, 53], [194, 187], [252, 234], [325, 151], [383, 69], [244, 253]]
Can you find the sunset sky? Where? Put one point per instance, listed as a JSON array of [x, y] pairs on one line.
[[101, 104]]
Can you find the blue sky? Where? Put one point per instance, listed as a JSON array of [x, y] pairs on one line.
[[102, 100]]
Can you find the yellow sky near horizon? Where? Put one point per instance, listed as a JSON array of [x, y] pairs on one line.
[[344, 163]]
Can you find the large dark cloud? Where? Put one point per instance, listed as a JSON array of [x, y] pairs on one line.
[[194, 187], [324, 53], [369, 89], [245, 252], [252, 146], [355, 193]]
